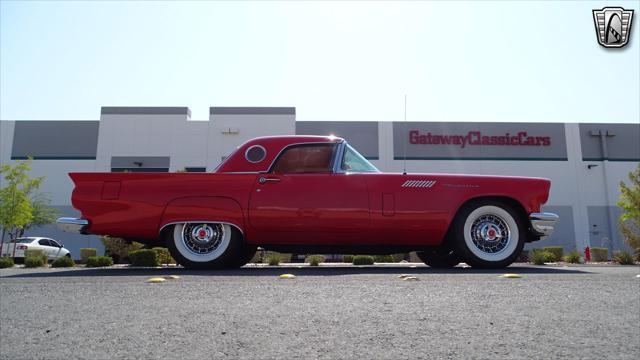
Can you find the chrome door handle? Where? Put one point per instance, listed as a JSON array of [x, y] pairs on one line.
[[264, 180]]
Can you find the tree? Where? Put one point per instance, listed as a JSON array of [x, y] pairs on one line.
[[630, 204], [43, 214], [20, 205]]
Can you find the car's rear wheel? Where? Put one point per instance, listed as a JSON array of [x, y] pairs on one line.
[[488, 234], [437, 258], [205, 245]]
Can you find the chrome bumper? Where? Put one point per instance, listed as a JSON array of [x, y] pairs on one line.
[[543, 224], [74, 225]]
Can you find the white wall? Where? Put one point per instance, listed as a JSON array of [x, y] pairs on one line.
[[6, 143], [187, 142], [248, 126]]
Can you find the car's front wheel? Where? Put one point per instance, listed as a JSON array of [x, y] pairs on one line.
[[205, 245], [488, 234], [247, 253]]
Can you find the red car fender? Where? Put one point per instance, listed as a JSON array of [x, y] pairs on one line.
[[203, 209]]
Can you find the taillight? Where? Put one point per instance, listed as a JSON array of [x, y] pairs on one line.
[[22, 247]]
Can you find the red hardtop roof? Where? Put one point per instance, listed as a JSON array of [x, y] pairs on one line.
[[236, 162]]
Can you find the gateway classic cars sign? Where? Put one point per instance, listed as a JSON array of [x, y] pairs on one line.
[[479, 141], [477, 138]]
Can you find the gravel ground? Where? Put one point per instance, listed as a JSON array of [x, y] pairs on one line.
[[344, 312]]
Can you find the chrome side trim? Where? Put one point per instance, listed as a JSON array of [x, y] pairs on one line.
[[201, 221], [543, 223], [74, 225], [244, 172], [419, 183]]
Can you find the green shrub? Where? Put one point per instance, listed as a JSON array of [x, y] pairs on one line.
[[549, 257], [623, 258], [363, 260], [35, 253], [63, 261], [285, 258], [599, 254], [273, 258], [118, 248], [347, 258], [144, 257], [99, 261], [314, 260], [6, 262], [33, 261], [557, 251], [85, 253], [572, 257], [636, 254], [399, 257], [539, 257], [163, 255], [257, 258], [383, 258]]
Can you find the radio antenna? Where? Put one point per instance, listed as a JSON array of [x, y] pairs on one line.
[[404, 142]]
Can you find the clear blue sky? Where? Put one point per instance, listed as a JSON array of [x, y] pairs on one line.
[[457, 61]]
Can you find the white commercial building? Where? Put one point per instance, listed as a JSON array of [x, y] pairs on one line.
[[585, 162]]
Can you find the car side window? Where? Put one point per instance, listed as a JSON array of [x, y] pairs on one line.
[[44, 242], [311, 158], [54, 243], [353, 161]]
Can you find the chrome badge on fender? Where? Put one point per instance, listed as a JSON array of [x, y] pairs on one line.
[[419, 183]]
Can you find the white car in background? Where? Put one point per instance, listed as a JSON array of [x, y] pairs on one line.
[[52, 248]]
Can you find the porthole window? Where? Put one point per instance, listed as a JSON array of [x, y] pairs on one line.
[[255, 154]]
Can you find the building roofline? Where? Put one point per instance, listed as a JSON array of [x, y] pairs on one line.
[[145, 110], [217, 110]]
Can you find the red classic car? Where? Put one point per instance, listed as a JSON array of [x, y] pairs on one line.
[[314, 194]]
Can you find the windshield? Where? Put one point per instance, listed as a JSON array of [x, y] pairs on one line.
[[354, 162]]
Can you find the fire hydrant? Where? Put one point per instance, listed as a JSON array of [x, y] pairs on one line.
[[587, 254]]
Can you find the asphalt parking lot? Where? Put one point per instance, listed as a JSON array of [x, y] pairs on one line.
[[343, 312]]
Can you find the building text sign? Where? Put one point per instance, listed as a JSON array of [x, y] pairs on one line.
[[472, 138], [479, 141]]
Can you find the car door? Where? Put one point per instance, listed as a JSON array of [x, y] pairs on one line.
[[302, 200], [56, 248], [45, 245]]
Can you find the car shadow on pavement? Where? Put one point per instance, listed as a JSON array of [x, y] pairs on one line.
[[303, 270]]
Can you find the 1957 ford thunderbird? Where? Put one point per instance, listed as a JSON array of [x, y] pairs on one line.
[[314, 194]]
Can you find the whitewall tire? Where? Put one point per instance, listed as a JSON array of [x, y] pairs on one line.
[[488, 234], [204, 245]]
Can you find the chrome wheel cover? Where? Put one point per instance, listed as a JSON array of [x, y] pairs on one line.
[[202, 239], [201, 242], [490, 233]]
